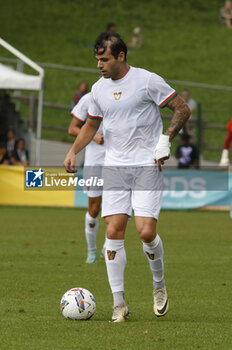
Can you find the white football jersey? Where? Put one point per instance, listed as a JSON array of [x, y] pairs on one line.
[[129, 108], [94, 153]]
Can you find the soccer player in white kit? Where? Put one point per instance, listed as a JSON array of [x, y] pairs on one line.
[[127, 99], [94, 160]]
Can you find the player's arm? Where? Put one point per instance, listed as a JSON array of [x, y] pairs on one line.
[[85, 136], [181, 114], [75, 127]]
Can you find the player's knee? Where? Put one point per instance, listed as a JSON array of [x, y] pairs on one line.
[[146, 235], [114, 233]]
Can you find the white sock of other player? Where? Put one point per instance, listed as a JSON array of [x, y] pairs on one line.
[[91, 228], [115, 257], [154, 254]]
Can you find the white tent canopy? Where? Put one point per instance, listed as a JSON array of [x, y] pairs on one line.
[[11, 79]]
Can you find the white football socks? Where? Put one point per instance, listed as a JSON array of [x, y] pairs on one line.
[[119, 298], [154, 254], [91, 228], [115, 257]]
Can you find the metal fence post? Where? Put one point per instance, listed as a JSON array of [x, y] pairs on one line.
[[32, 104]]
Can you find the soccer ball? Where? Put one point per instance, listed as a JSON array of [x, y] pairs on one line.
[[78, 304]]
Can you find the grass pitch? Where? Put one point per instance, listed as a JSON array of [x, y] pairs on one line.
[[43, 255]]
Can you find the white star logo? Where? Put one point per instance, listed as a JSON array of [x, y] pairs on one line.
[[38, 174]]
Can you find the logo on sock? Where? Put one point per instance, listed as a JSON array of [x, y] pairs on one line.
[[151, 256], [111, 254], [92, 224]]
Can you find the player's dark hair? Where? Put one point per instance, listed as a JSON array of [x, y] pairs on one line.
[[111, 40]]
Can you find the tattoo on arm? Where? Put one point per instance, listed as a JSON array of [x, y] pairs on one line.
[[181, 113]]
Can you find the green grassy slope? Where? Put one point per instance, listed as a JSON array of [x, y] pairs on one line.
[[182, 40], [43, 253]]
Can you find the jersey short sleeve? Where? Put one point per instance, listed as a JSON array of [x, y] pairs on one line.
[[80, 111], [159, 91], [94, 111]]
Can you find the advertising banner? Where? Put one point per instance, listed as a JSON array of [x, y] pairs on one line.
[[182, 189], [191, 189]]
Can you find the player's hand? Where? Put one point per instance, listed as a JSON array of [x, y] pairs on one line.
[[69, 162], [162, 151], [99, 138]]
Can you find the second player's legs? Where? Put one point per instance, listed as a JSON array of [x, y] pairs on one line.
[[94, 206], [91, 227]]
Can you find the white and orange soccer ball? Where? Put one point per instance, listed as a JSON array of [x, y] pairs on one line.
[[78, 304]]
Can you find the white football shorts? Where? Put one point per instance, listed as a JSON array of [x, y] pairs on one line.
[[138, 189]]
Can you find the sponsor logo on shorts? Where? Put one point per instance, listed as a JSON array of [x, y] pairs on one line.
[[117, 95], [151, 256], [111, 254]]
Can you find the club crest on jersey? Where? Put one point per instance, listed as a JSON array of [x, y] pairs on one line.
[[111, 254], [151, 256], [91, 224], [117, 95]]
